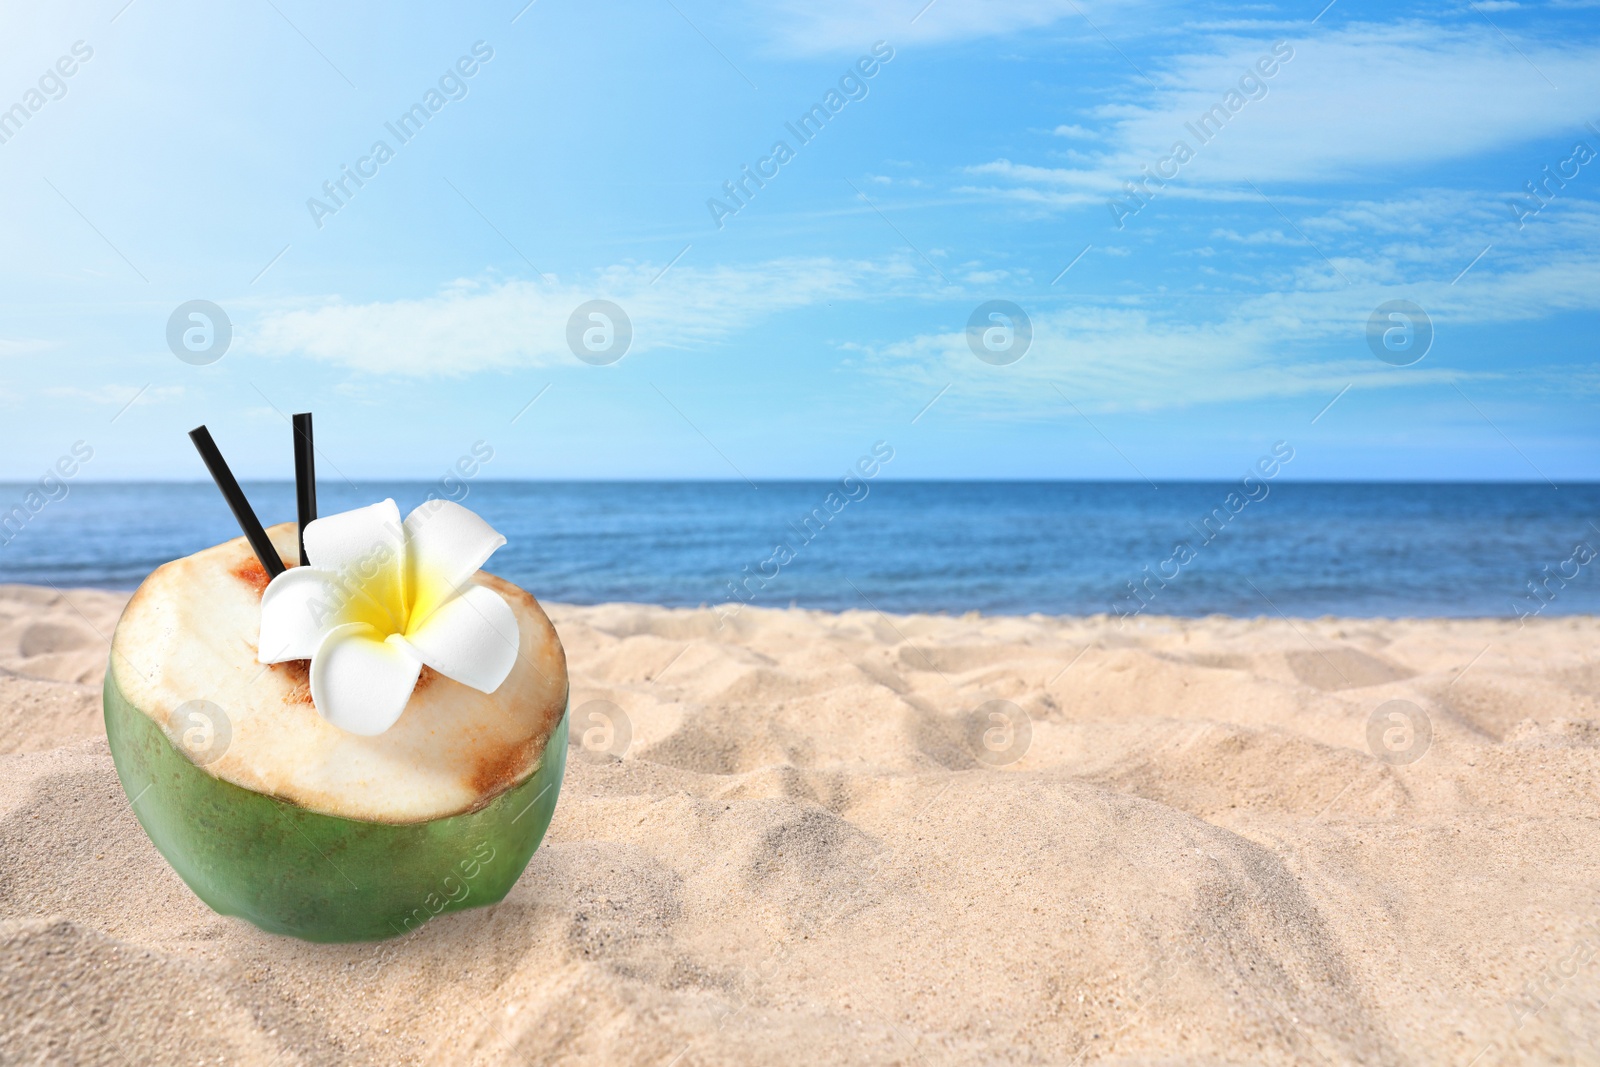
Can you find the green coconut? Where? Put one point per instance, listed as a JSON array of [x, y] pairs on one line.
[[272, 814]]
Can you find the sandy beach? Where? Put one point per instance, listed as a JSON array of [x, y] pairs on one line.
[[810, 843]]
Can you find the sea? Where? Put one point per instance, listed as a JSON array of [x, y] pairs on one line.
[[1012, 547]]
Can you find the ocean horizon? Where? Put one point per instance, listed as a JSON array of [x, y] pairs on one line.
[[1191, 548]]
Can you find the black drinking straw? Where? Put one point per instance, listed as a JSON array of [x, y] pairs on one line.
[[242, 512], [305, 479]]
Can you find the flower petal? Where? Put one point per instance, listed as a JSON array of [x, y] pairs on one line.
[[446, 544], [472, 638], [360, 683], [365, 549], [297, 608]]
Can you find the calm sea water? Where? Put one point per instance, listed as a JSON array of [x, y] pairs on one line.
[[995, 547]]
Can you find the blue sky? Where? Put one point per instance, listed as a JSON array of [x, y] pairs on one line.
[[1379, 161]]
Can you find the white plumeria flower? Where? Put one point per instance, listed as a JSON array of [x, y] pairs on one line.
[[382, 598]]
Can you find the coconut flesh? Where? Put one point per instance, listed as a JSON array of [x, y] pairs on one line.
[[189, 634]]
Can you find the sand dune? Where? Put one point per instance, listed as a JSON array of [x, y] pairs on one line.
[[812, 843]]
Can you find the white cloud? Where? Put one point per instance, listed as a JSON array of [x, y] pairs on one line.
[[116, 395], [1108, 359], [470, 327], [818, 26], [1260, 237], [1308, 339], [1365, 100], [884, 179], [24, 346]]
